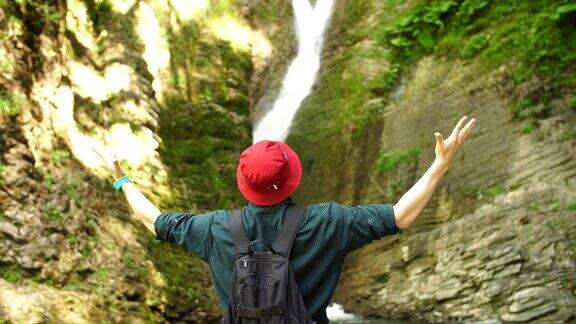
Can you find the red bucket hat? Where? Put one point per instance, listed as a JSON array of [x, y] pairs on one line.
[[268, 172]]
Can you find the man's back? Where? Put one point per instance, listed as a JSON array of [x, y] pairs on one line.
[[327, 234]]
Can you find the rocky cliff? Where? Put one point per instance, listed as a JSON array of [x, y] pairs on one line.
[[498, 239], [163, 83]]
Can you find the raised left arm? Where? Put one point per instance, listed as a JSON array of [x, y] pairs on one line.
[[407, 209]]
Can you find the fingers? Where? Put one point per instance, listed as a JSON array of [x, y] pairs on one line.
[[466, 130], [459, 126], [439, 138], [439, 141]]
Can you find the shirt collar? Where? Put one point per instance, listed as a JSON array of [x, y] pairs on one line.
[[286, 202]]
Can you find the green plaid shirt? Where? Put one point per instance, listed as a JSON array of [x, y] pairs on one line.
[[327, 234]]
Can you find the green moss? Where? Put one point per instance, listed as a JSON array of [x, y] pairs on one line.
[[48, 181], [530, 127], [186, 275], [38, 278], [101, 275], [394, 188], [555, 205], [573, 104], [59, 156], [3, 169], [474, 46], [389, 160], [52, 213], [534, 206], [528, 109], [10, 105], [493, 191], [12, 273], [386, 80], [568, 134]]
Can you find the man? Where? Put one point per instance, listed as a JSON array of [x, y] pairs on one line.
[[268, 173]]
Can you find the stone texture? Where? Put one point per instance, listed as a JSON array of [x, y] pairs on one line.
[[500, 221]]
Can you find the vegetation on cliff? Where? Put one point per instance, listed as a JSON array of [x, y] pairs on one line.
[[165, 85], [393, 73], [368, 58]]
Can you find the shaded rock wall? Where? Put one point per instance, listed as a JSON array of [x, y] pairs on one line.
[[497, 240]]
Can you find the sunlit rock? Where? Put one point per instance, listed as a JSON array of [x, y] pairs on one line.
[[189, 9], [241, 36], [156, 52], [80, 24]]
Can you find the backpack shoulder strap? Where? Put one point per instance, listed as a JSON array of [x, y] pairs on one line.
[[239, 237], [283, 243]]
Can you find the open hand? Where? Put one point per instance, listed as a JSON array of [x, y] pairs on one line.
[[447, 148], [111, 161]]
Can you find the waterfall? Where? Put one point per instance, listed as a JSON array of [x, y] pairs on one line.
[[310, 23]]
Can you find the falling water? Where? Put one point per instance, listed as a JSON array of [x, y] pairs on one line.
[[311, 21]]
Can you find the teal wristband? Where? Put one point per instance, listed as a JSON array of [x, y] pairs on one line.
[[120, 182]]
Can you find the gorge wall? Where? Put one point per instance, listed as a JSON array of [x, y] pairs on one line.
[[498, 239], [165, 84]]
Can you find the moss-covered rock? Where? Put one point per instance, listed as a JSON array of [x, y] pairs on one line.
[[393, 73], [166, 88]]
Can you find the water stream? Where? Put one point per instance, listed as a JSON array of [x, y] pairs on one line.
[[310, 23]]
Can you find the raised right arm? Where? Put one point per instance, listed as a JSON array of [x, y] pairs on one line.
[[413, 201]]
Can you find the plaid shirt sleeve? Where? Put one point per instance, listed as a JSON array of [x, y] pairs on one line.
[[189, 230], [362, 224]]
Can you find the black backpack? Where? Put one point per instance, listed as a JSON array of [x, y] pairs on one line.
[[264, 288]]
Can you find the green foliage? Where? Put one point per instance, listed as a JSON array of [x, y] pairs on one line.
[[71, 189], [389, 160], [417, 32], [387, 80], [101, 275], [37, 278], [563, 11], [474, 46], [59, 156], [492, 191], [572, 206], [528, 109], [530, 127], [181, 271], [394, 188], [10, 105], [11, 273], [573, 104], [537, 36], [555, 205], [49, 181], [52, 213], [3, 169]]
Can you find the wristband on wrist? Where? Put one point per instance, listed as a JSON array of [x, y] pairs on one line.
[[120, 182]]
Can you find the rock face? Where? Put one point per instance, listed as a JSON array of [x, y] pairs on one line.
[[166, 87], [497, 241]]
